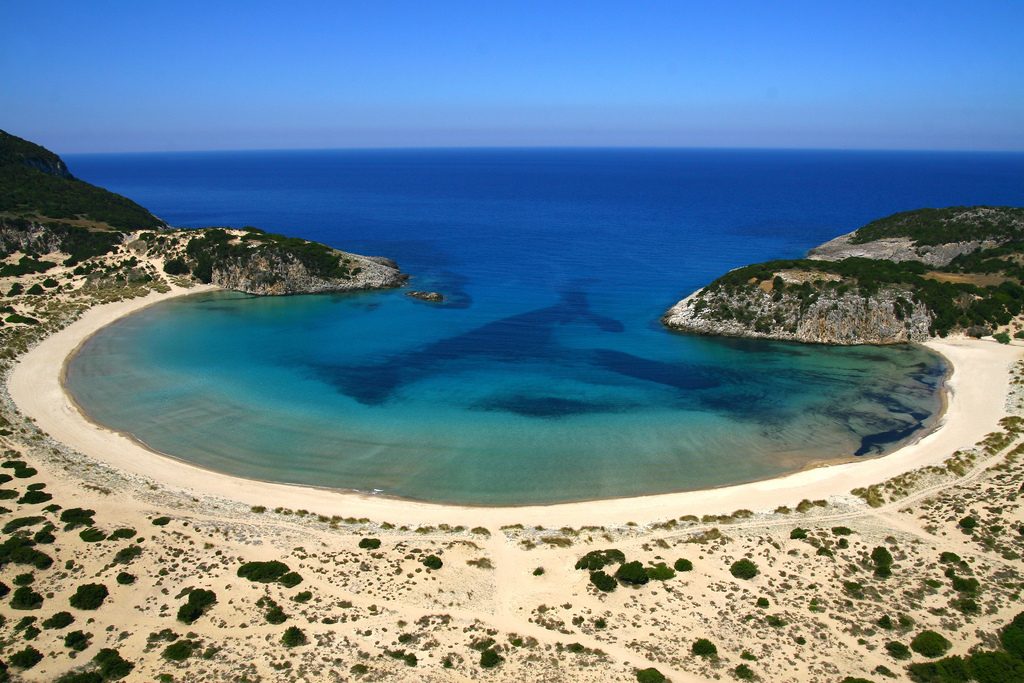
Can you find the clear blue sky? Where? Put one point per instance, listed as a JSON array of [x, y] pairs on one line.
[[896, 74]]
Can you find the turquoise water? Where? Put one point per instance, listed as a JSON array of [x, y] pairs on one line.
[[546, 377], [545, 405]]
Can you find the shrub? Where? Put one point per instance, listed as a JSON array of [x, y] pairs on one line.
[[539, 571], [77, 640], [1012, 636], [599, 559], [883, 561], [293, 637], [660, 572], [743, 569], [650, 675], [632, 573], [35, 498], [683, 565], [161, 521], [22, 522], [763, 603], [124, 532], [968, 523], [76, 517], [179, 651], [291, 580], [263, 572], [702, 647], [58, 621], [842, 530], [489, 658], [897, 650], [199, 601], [304, 596], [602, 581], [432, 562], [125, 579], [798, 534], [92, 535], [930, 644], [369, 543], [1001, 337], [112, 665], [127, 554], [27, 658], [26, 598], [89, 596], [175, 266], [743, 672], [948, 670]]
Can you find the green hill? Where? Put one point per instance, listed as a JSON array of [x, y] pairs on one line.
[[35, 184]]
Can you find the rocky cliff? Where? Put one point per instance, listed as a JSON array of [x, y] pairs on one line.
[[900, 279], [888, 316]]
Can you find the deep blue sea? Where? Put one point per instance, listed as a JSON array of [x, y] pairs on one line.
[[546, 376]]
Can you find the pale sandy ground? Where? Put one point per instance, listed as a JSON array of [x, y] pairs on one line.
[[977, 389], [365, 603]]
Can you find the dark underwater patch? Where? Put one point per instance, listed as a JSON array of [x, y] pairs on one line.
[[544, 406]]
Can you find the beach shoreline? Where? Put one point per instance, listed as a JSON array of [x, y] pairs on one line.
[[974, 398]]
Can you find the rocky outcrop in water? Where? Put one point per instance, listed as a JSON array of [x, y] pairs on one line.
[[432, 297]]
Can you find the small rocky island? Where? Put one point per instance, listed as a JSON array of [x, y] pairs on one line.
[[904, 278], [432, 297], [44, 210]]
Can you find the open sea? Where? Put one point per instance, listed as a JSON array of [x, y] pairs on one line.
[[546, 376]]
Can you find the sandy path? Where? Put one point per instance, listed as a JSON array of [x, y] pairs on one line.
[[978, 388]]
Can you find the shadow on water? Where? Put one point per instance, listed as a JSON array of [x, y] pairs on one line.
[[522, 338]]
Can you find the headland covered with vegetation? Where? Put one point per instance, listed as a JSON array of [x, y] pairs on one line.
[[119, 564], [907, 277]]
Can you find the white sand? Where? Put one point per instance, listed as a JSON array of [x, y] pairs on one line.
[[977, 392]]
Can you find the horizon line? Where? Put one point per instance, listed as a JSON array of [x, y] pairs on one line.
[[412, 148]]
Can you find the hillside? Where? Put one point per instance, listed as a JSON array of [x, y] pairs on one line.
[[48, 219], [36, 184], [903, 278]]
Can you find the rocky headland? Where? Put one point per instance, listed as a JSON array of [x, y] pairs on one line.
[[904, 278]]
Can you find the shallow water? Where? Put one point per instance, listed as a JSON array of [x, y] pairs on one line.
[[547, 376]]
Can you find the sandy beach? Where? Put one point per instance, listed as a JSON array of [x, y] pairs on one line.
[[977, 389]]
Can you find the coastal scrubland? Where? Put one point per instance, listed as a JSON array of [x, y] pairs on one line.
[[110, 573]]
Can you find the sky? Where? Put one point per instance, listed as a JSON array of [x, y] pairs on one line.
[[113, 76]]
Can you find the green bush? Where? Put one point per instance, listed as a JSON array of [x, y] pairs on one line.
[[602, 581], [92, 535], [702, 647], [432, 562], [293, 637], [489, 658], [660, 572], [650, 675], [76, 517], [77, 640], [22, 522], [161, 521], [291, 580], [263, 572], [930, 644], [897, 650], [179, 650], [968, 523], [743, 672], [683, 565], [27, 658], [199, 601], [125, 579], [798, 534], [175, 266], [369, 543], [58, 621], [89, 596], [743, 569], [948, 670], [1001, 337], [632, 573], [127, 554], [122, 533], [112, 665], [35, 498], [25, 598], [599, 559]]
